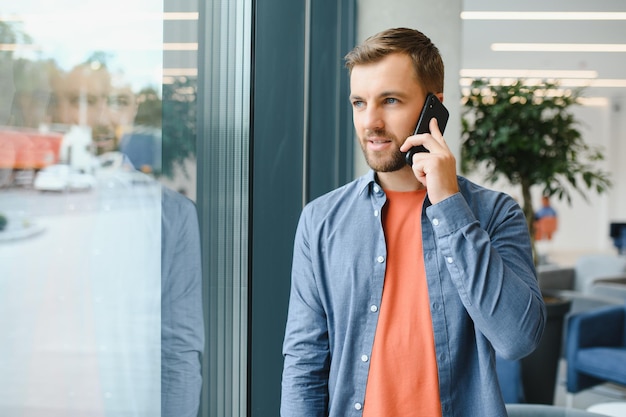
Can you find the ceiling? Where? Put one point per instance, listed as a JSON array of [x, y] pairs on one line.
[[603, 73]]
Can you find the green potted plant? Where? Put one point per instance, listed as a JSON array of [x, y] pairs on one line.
[[527, 135]]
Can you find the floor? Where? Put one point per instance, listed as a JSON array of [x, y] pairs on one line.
[[584, 399]]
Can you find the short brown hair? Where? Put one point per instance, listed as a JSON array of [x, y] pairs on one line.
[[426, 59]]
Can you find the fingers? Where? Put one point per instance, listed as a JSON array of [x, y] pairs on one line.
[[433, 125], [436, 170], [425, 139]]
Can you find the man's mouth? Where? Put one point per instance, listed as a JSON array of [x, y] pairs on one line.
[[103, 140], [378, 143], [102, 135]]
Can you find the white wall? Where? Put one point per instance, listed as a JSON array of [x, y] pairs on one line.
[[617, 140], [584, 225]]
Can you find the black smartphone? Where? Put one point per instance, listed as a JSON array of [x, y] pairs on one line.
[[432, 108]]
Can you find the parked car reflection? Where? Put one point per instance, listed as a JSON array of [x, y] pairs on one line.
[[63, 178]]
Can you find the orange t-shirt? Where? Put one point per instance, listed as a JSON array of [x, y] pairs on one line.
[[403, 379]]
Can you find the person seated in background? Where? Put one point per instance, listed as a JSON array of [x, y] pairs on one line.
[[545, 220]]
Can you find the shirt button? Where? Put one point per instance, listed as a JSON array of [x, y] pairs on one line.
[[358, 406], [449, 259], [373, 309], [376, 213], [376, 189], [364, 358], [380, 259], [436, 222]]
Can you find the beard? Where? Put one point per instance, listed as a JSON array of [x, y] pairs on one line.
[[104, 139], [388, 161]]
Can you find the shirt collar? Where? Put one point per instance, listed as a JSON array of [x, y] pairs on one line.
[[367, 181]]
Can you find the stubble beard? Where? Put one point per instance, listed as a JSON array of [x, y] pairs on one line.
[[388, 161]]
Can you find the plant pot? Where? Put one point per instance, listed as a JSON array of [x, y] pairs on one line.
[[539, 369]]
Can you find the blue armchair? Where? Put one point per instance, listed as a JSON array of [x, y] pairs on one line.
[[595, 348]]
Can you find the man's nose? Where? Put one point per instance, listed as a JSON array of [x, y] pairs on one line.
[[372, 119], [105, 115]]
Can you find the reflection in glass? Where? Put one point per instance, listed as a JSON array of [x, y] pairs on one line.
[[100, 301]]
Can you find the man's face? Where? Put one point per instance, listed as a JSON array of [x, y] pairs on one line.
[[386, 102], [83, 99]]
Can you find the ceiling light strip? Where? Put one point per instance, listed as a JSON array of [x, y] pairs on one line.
[[558, 47], [176, 46], [498, 15], [180, 72], [14, 47], [112, 16], [180, 46], [180, 16], [526, 73], [566, 82]]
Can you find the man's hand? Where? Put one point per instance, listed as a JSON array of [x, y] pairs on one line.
[[435, 169]]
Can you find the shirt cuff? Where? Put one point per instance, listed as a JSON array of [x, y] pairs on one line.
[[450, 215]]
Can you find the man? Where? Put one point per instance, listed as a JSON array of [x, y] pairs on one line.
[[545, 220], [407, 280]]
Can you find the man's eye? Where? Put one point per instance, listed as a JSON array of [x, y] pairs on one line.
[[391, 100], [357, 104]]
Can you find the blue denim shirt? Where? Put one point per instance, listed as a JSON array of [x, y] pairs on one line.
[[482, 287]]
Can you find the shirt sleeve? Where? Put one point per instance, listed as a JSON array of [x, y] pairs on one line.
[[306, 347], [487, 252]]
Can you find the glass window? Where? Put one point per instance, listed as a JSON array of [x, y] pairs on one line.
[[97, 123]]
